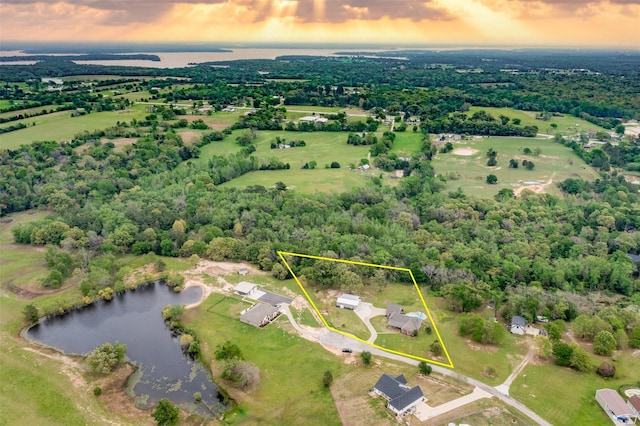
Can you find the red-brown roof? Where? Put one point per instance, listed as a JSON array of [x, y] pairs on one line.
[[634, 401]]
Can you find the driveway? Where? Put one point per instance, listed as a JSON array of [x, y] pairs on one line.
[[366, 311], [426, 412]]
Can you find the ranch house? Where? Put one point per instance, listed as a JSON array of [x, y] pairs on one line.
[[615, 407], [260, 315]]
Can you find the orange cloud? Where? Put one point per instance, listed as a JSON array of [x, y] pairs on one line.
[[402, 22]]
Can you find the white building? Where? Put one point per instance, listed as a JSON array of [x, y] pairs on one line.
[[348, 301]]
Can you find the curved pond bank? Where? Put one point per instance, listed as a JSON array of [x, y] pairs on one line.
[[135, 319]]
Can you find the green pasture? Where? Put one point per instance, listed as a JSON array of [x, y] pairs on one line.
[[61, 126], [20, 264], [547, 384], [407, 144], [25, 111], [322, 147], [556, 163], [32, 390], [320, 180], [567, 124], [291, 368]]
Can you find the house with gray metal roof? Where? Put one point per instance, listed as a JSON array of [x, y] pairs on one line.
[[401, 399]]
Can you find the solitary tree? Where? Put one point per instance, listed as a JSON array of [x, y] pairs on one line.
[[30, 313], [492, 179], [366, 357], [424, 368], [166, 413]]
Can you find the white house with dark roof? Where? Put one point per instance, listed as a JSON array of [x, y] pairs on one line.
[[401, 399], [348, 301]]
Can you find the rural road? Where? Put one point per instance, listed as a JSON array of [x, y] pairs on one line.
[[338, 341]]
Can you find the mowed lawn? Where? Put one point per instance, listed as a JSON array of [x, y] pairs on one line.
[[555, 164], [291, 368], [567, 124], [60, 126]]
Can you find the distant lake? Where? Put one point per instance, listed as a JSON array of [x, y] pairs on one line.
[[182, 59], [135, 319]]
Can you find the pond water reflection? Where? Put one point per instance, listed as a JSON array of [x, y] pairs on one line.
[[135, 319]]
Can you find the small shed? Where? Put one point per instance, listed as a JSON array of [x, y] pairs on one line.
[[259, 316], [245, 288], [615, 407], [348, 301], [518, 325]]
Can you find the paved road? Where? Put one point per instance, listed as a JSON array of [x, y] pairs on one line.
[[338, 341]]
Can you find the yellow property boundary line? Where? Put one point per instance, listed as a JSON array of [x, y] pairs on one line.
[[282, 255]]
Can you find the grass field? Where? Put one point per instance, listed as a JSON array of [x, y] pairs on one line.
[[407, 144], [556, 163], [566, 124], [291, 390], [20, 265], [322, 147], [25, 111], [61, 126], [547, 384]]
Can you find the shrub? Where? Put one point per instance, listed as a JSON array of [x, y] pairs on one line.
[[327, 379], [97, 391], [424, 368], [607, 370], [366, 357], [604, 343], [104, 358], [166, 413]]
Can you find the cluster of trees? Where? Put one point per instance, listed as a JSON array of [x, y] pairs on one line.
[[104, 358], [236, 369]]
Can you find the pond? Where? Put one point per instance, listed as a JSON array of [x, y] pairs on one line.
[[135, 319]]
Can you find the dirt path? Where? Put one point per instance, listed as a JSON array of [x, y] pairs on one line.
[[504, 387]]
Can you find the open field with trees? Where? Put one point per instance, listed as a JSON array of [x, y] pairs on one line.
[[554, 163]]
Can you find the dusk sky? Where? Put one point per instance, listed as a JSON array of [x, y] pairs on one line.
[[609, 23]]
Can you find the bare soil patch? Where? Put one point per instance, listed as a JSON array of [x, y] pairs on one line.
[[190, 137], [120, 143], [464, 151]]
